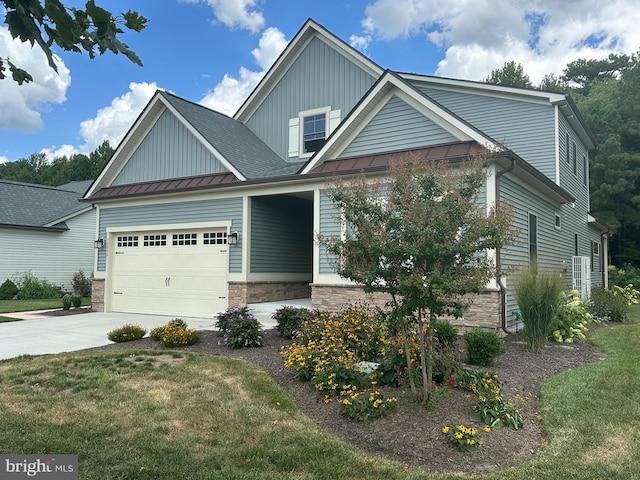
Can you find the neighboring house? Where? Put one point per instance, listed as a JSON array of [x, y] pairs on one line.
[[47, 231], [200, 211]]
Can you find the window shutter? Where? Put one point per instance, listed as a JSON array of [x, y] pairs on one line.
[[334, 121], [294, 137]]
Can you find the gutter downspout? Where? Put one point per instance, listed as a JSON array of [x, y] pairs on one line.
[[503, 290]]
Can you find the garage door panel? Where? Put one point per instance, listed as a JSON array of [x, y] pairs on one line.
[[188, 279]]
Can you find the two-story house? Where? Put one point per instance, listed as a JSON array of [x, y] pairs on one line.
[[199, 211]]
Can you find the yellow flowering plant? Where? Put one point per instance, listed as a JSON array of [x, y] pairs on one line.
[[364, 405], [465, 438]]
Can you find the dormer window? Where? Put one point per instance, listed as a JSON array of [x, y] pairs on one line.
[[309, 131]]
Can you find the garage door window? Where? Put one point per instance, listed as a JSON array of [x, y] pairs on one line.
[[215, 238], [128, 241], [185, 239], [155, 240]]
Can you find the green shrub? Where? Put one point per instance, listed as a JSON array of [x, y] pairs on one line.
[[8, 290], [239, 328], [538, 297], [483, 346], [76, 301], [32, 288], [623, 276], [290, 320], [572, 318], [126, 333], [444, 333], [81, 284], [178, 323], [605, 306], [67, 300]]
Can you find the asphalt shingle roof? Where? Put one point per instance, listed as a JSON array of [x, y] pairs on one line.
[[31, 205], [233, 139]]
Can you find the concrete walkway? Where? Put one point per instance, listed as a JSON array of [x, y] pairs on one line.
[[39, 333]]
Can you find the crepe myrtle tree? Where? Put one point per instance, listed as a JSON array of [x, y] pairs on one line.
[[420, 235], [91, 29]]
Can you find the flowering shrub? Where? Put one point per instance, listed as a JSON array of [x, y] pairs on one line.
[[572, 318], [240, 328], [491, 407], [606, 306], [175, 334], [290, 319], [628, 294], [365, 405], [329, 345], [466, 439], [126, 333]]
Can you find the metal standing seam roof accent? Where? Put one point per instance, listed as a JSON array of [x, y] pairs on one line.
[[234, 140], [31, 205]]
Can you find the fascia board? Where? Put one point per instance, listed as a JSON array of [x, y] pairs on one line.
[[128, 144], [294, 49]]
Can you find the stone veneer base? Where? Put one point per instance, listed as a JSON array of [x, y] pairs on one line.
[[242, 293], [97, 294]]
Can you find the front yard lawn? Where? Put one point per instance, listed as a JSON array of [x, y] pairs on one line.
[[161, 414], [9, 306]]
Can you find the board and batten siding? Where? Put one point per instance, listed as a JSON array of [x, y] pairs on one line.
[[397, 126], [526, 128], [330, 226], [319, 77], [169, 150], [219, 210], [52, 256], [281, 235]]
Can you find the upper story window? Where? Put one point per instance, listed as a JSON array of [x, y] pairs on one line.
[[314, 132], [309, 131], [567, 142]]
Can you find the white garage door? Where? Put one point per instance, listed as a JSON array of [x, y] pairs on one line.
[[180, 273]]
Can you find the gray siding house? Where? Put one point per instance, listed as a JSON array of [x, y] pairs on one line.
[[47, 231], [200, 211]]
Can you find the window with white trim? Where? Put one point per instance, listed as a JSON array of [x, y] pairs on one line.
[[185, 239], [154, 240], [214, 238], [309, 131], [558, 222], [127, 241]]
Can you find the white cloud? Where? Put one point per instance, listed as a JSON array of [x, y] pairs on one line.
[[3, 159], [478, 36], [110, 123], [228, 95], [21, 104], [236, 13]]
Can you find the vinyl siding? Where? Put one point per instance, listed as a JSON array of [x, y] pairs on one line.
[[397, 126], [229, 209], [51, 256], [281, 235], [168, 151], [320, 77], [526, 128]]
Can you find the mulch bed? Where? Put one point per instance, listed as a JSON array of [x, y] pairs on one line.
[[412, 435]]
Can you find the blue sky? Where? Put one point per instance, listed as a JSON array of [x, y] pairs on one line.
[[215, 51]]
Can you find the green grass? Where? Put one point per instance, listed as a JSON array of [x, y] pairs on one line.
[[9, 306], [8, 319], [147, 415]]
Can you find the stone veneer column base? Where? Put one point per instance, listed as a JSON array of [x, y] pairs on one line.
[[484, 311], [97, 294], [242, 293]]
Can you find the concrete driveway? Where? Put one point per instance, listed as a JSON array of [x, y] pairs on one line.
[[38, 333]]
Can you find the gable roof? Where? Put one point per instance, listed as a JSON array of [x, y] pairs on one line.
[[311, 29], [387, 85], [31, 205]]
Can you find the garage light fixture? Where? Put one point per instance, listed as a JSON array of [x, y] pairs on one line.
[[232, 238], [99, 243]]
